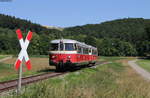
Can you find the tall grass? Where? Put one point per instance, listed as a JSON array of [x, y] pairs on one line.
[[114, 80], [39, 66], [87, 83], [108, 81]]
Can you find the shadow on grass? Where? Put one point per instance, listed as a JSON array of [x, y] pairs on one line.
[[47, 70], [70, 69], [76, 68], [145, 58]]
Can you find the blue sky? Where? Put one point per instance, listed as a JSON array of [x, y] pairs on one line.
[[65, 13]]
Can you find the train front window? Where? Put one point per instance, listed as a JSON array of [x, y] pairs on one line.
[[69, 47], [54, 47]]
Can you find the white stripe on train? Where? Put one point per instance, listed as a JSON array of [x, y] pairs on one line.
[[63, 52]]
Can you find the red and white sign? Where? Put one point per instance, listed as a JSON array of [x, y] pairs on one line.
[[23, 53]]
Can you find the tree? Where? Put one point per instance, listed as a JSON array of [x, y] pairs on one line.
[[89, 39], [115, 47]]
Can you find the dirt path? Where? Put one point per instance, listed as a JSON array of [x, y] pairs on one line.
[[139, 70], [6, 58]]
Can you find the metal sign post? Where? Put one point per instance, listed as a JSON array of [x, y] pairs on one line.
[[23, 56]]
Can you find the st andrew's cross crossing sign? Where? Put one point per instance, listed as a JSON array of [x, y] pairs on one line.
[[23, 53]]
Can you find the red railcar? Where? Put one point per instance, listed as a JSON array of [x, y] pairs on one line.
[[67, 53]]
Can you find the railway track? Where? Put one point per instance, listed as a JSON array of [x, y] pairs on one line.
[[7, 85]]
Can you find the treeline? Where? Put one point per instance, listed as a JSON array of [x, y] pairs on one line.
[[122, 37]]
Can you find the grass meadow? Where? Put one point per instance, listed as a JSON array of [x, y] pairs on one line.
[[113, 80], [39, 65], [3, 56], [144, 63]]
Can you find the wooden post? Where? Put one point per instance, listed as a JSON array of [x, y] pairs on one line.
[[19, 79]]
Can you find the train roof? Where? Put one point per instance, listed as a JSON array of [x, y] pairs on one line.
[[72, 41], [64, 41]]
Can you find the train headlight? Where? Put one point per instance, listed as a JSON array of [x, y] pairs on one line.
[[68, 57], [53, 57]]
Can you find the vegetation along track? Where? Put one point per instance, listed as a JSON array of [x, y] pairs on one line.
[[7, 85]]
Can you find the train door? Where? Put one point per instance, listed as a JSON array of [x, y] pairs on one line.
[[90, 54], [79, 52], [60, 53]]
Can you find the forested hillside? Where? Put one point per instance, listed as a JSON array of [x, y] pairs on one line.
[[8, 39], [122, 37]]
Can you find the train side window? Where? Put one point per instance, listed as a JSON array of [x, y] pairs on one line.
[[69, 47], [54, 47], [85, 50], [79, 49], [94, 52]]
